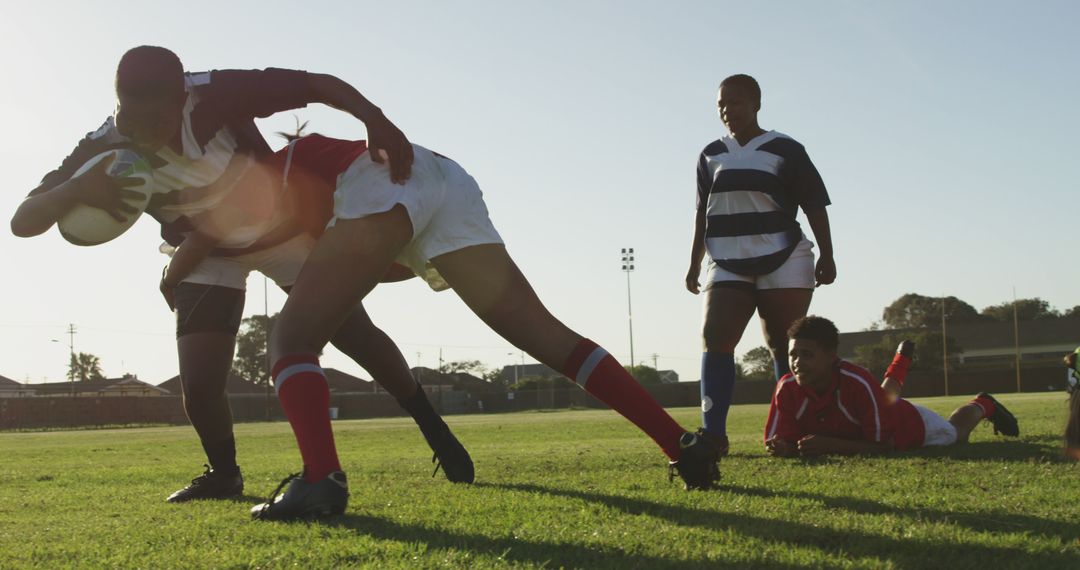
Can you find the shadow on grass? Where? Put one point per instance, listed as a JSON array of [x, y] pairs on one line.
[[906, 553], [511, 549], [1027, 448], [992, 521]]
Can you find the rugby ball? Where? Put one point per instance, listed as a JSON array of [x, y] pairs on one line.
[[87, 225]]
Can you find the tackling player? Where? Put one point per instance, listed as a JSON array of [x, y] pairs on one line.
[[197, 128], [830, 406]]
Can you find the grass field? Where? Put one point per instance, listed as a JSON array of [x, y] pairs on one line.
[[559, 489]]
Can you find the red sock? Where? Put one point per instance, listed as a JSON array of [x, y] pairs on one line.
[[898, 369], [602, 376], [985, 404], [301, 388]]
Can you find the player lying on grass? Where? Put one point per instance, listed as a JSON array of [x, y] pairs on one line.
[[437, 224], [1072, 429], [830, 406], [197, 129]]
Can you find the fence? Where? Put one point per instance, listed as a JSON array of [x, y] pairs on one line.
[[66, 411]]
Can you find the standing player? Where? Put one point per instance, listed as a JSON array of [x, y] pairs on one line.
[[197, 129], [750, 186], [830, 406]]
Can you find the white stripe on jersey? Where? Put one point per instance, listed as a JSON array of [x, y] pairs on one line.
[[873, 402], [744, 159], [740, 202], [844, 411], [802, 409]]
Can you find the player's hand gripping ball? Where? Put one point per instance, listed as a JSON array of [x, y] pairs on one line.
[[114, 189]]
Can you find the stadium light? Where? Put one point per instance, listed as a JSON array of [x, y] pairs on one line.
[[628, 267]]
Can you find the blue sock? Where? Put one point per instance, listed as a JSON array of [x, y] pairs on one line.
[[717, 387], [781, 367]]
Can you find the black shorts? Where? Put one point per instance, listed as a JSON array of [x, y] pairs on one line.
[[208, 308]]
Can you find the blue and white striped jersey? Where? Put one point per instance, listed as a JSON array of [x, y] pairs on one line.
[[751, 195]]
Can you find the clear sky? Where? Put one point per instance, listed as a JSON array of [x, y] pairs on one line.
[[944, 132]]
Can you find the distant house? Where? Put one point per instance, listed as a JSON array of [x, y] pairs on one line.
[[127, 385], [668, 376], [12, 389], [234, 384], [343, 383], [989, 343], [515, 372]]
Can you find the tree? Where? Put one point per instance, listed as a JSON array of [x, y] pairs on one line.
[[1073, 312], [84, 366], [529, 383], [644, 374], [757, 364], [914, 311], [250, 361], [1026, 310], [474, 367]]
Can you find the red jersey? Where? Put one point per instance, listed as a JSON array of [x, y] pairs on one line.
[[313, 169], [853, 407]]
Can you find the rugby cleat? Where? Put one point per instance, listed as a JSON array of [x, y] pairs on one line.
[[698, 463], [719, 442], [210, 485], [454, 459], [1002, 419], [305, 501]]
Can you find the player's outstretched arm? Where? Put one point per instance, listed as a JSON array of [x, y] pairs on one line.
[[384, 138], [825, 272], [44, 206]]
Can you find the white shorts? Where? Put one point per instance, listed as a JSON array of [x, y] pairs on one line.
[[445, 206], [938, 429], [796, 273], [280, 263]]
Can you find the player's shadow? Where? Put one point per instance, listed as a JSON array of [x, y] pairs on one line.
[[993, 521], [513, 549], [905, 552], [1028, 448]]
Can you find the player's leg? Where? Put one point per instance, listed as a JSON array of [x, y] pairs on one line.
[[377, 353], [343, 267], [490, 283], [984, 406], [896, 373], [207, 320], [778, 309], [727, 310], [784, 297]]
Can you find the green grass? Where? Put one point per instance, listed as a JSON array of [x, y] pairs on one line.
[[566, 489]]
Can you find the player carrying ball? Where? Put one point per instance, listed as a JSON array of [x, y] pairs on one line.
[[827, 405]]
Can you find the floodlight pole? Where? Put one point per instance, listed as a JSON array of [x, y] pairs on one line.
[[628, 267]]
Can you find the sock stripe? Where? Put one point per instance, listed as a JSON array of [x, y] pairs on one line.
[[590, 364], [290, 371]]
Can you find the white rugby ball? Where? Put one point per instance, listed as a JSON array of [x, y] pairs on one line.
[[87, 225]]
